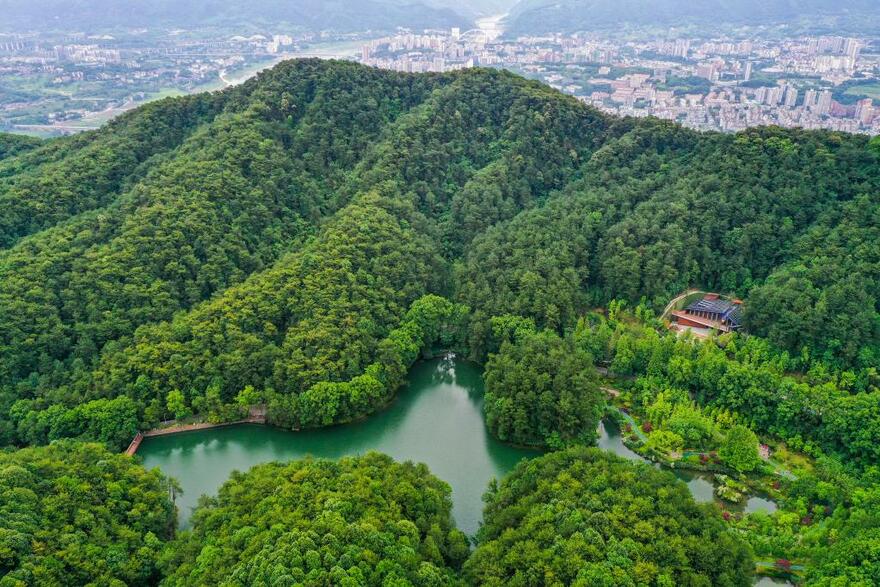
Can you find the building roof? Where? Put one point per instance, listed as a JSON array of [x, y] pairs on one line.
[[726, 310]]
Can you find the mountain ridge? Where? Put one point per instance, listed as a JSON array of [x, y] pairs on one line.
[[567, 16], [277, 237], [311, 15]]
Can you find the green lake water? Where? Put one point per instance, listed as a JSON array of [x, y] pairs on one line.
[[437, 419]]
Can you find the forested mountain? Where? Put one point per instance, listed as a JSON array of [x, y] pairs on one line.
[[312, 15], [296, 242], [15, 144], [358, 521], [545, 16], [273, 236]]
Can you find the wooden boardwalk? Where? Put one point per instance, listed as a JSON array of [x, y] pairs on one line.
[[256, 416], [135, 444]]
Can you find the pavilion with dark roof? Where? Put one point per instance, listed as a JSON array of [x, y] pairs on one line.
[[711, 312]]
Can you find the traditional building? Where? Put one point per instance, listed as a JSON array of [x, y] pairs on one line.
[[712, 313]]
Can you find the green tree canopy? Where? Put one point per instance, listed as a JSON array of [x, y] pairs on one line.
[[76, 514], [542, 390], [586, 517], [740, 449], [356, 521]]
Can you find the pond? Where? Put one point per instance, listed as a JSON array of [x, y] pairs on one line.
[[437, 419], [699, 483]]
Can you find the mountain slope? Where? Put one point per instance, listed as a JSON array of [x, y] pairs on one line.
[[545, 16], [16, 144], [314, 15], [279, 248]]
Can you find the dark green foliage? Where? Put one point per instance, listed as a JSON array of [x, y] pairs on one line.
[[273, 235], [316, 316], [585, 517], [356, 521], [286, 243], [661, 208], [16, 144], [825, 301], [541, 390], [76, 514], [62, 178]]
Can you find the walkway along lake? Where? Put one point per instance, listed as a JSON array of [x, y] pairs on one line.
[[437, 419]]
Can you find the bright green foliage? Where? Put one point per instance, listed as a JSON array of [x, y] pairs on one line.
[[851, 562], [176, 404], [744, 376], [677, 422], [113, 422], [846, 550], [76, 514], [664, 441], [585, 517], [356, 521], [740, 449], [541, 390]]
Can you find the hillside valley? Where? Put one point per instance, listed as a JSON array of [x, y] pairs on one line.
[[293, 245]]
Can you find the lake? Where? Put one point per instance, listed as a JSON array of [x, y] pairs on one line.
[[436, 419]]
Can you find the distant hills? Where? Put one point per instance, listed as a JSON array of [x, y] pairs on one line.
[[313, 15], [542, 16], [474, 8]]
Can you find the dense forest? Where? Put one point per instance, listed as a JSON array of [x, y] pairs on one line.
[[16, 144], [75, 514], [541, 391], [297, 242], [585, 517], [270, 236], [357, 521]]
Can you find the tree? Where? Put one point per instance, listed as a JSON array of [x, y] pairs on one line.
[[586, 517], [248, 397], [740, 449], [76, 514], [357, 521], [541, 390], [176, 404]]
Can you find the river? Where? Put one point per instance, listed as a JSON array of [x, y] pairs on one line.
[[437, 419]]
